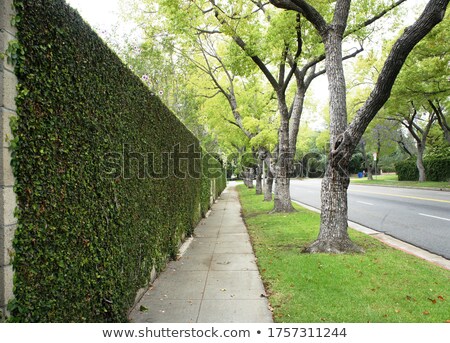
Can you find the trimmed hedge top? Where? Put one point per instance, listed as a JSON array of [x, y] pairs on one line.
[[88, 237], [436, 169]]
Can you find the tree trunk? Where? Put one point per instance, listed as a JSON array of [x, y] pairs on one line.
[[419, 163], [282, 199], [269, 184], [333, 236], [259, 178], [294, 121], [250, 178]]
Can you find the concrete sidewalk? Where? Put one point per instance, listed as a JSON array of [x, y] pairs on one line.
[[216, 280]]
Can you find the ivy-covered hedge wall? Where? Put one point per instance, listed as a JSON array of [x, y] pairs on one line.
[[436, 169], [94, 216]]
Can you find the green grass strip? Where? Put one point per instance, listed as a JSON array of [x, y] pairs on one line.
[[392, 180], [383, 285]]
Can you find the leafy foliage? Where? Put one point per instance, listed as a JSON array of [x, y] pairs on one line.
[[436, 169], [88, 237]]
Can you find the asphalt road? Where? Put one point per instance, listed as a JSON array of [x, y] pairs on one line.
[[416, 216]]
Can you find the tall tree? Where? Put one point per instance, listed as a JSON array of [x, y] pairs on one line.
[[333, 236], [283, 47], [419, 124], [249, 104], [277, 59], [421, 92], [227, 73]]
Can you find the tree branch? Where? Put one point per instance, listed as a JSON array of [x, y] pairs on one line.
[[210, 96], [340, 16], [432, 15], [441, 118], [403, 146], [374, 18], [308, 11], [283, 67], [323, 71], [231, 122], [294, 65], [209, 32], [240, 42]]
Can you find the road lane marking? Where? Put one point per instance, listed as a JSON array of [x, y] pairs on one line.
[[365, 203], [402, 196], [427, 215]]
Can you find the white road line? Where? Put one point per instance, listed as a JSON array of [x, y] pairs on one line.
[[427, 215], [365, 203]]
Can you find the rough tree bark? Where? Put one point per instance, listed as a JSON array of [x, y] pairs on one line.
[[282, 198], [259, 187], [333, 236], [250, 175], [269, 184]]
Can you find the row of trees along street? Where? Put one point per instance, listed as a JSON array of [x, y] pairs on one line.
[[240, 74]]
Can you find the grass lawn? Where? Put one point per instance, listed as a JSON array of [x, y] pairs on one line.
[[392, 180], [382, 285]]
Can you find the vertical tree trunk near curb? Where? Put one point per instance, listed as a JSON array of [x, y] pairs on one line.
[[333, 236], [282, 199]]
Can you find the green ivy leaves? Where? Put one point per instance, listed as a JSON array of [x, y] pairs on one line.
[[87, 242]]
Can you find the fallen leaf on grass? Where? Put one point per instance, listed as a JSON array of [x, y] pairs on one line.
[[426, 313], [441, 298], [432, 300]]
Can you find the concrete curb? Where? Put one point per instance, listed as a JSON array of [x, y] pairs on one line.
[[393, 242]]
